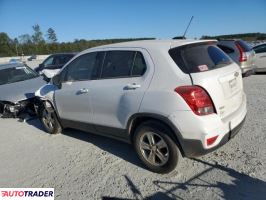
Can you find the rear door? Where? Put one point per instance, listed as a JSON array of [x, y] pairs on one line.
[[210, 68], [125, 76]]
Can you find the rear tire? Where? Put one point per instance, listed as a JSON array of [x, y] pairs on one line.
[[49, 121], [155, 147]]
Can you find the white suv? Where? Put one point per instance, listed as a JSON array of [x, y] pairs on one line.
[[167, 98]]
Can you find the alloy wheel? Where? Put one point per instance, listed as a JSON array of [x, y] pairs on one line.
[[48, 119], [154, 149]]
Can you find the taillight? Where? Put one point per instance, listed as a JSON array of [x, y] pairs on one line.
[[197, 98], [243, 56]]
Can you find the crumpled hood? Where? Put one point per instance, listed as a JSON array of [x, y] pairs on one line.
[[22, 90]]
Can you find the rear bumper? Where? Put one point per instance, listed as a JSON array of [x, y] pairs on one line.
[[194, 148], [247, 69], [193, 131]]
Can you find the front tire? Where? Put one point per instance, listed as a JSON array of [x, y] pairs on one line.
[[50, 121], [155, 147]]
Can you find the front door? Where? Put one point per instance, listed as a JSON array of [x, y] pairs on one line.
[[73, 99]]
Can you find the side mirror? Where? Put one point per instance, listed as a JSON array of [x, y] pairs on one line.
[[56, 80]]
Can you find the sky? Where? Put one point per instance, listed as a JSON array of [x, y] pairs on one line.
[[105, 19]]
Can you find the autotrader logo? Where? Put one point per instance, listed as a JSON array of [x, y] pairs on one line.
[[27, 193]]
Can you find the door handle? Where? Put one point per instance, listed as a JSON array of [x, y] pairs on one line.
[[83, 90], [262, 56], [132, 86]]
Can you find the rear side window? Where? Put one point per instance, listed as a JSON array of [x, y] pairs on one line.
[[244, 45], [139, 66], [199, 57], [123, 64]]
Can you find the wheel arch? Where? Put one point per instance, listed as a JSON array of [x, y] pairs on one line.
[[137, 119], [53, 108]]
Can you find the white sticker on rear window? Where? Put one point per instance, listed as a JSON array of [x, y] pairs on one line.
[[203, 68]]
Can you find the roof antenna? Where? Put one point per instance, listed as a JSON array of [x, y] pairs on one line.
[[184, 35]]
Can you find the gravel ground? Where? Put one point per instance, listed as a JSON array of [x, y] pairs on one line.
[[85, 166]]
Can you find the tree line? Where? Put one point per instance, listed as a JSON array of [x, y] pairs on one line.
[[39, 43], [243, 36]]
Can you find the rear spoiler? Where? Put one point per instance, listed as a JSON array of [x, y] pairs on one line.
[[195, 43]]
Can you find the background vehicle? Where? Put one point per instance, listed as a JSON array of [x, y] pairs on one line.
[[18, 83], [167, 98], [51, 65], [32, 57], [240, 52], [260, 60]]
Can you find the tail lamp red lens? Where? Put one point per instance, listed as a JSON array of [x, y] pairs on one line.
[[243, 56], [197, 99]]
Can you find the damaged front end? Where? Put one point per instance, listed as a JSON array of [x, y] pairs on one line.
[[17, 109]]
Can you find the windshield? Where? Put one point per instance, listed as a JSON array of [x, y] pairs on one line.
[[199, 57], [16, 74]]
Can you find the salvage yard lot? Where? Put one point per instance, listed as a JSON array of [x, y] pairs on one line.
[[85, 166]]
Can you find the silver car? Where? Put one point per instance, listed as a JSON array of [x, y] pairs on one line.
[[241, 53], [18, 83], [260, 60]]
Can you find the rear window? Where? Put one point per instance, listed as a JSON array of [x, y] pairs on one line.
[[244, 45], [226, 49], [199, 57]]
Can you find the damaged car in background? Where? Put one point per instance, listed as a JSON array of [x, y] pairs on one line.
[[51, 65], [18, 83]]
